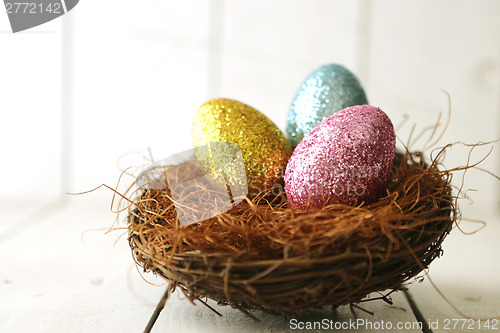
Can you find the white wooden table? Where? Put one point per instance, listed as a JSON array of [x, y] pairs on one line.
[[60, 272]]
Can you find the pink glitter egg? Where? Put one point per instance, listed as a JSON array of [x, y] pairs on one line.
[[347, 158]]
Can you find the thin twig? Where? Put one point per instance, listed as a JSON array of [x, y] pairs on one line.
[[157, 311], [383, 297], [208, 306]]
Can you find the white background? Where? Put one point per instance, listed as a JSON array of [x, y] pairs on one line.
[[139, 75], [112, 78]]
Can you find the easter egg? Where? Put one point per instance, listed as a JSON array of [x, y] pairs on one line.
[[264, 147], [326, 90], [347, 158]]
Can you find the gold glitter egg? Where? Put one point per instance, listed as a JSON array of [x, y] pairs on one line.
[[264, 148]]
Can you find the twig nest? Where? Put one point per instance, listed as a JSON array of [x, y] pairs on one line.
[[264, 254]]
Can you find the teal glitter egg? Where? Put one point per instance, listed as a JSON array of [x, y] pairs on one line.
[[326, 90]]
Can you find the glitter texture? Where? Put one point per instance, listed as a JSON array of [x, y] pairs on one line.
[[326, 90], [347, 158], [264, 147]]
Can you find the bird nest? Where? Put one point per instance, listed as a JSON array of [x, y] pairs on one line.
[[263, 254]]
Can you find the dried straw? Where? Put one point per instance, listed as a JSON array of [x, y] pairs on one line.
[[265, 255]]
